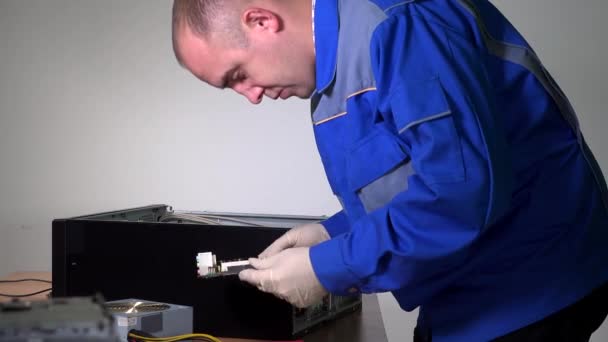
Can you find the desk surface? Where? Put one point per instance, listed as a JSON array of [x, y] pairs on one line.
[[363, 326]]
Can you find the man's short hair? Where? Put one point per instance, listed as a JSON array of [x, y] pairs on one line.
[[206, 16]]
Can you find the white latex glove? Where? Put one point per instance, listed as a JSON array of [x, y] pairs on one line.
[[306, 235], [288, 275]]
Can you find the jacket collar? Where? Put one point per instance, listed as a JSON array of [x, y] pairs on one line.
[[327, 24]]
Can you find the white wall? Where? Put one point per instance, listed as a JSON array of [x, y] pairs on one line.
[[96, 115]]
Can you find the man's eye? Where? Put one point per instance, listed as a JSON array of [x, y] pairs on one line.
[[238, 76]]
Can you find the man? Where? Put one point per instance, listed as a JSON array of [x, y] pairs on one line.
[[466, 185]]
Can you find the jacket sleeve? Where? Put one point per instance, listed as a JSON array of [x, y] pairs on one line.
[[336, 224], [433, 89]]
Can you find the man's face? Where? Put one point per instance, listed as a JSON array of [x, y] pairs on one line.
[[269, 65]]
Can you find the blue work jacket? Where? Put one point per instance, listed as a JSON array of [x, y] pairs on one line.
[[466, 185]]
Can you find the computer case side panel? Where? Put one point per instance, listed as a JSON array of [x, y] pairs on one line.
[[156, 261]]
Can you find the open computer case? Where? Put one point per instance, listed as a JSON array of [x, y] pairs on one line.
[[151, 253]]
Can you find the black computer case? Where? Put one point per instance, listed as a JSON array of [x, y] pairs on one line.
[[150, 253]]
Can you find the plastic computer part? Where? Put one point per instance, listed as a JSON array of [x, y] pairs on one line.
[[207, 265]]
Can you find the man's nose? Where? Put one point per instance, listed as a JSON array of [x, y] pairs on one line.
[[252, 93]]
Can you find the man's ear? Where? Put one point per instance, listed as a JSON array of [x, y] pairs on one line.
[[259, 19]]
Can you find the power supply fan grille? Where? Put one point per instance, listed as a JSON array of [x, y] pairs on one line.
[[132, 307]]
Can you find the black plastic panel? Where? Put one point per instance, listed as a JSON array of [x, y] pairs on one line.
[[157, 261]]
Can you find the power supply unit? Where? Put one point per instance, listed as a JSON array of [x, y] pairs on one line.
[[160, 319], [189, 258]]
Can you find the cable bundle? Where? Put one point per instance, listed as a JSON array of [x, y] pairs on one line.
[[140, 336]]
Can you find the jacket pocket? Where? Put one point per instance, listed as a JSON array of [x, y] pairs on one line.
[[377, 170], [426, 123]]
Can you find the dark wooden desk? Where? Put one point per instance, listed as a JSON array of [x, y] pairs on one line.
[[363, 326]]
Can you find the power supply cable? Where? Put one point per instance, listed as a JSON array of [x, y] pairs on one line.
[[27, 279], [139, 336], [24, 295], [21, 281]]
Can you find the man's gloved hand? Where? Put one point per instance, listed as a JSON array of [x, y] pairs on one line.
[[302, 236], [288, 275]]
